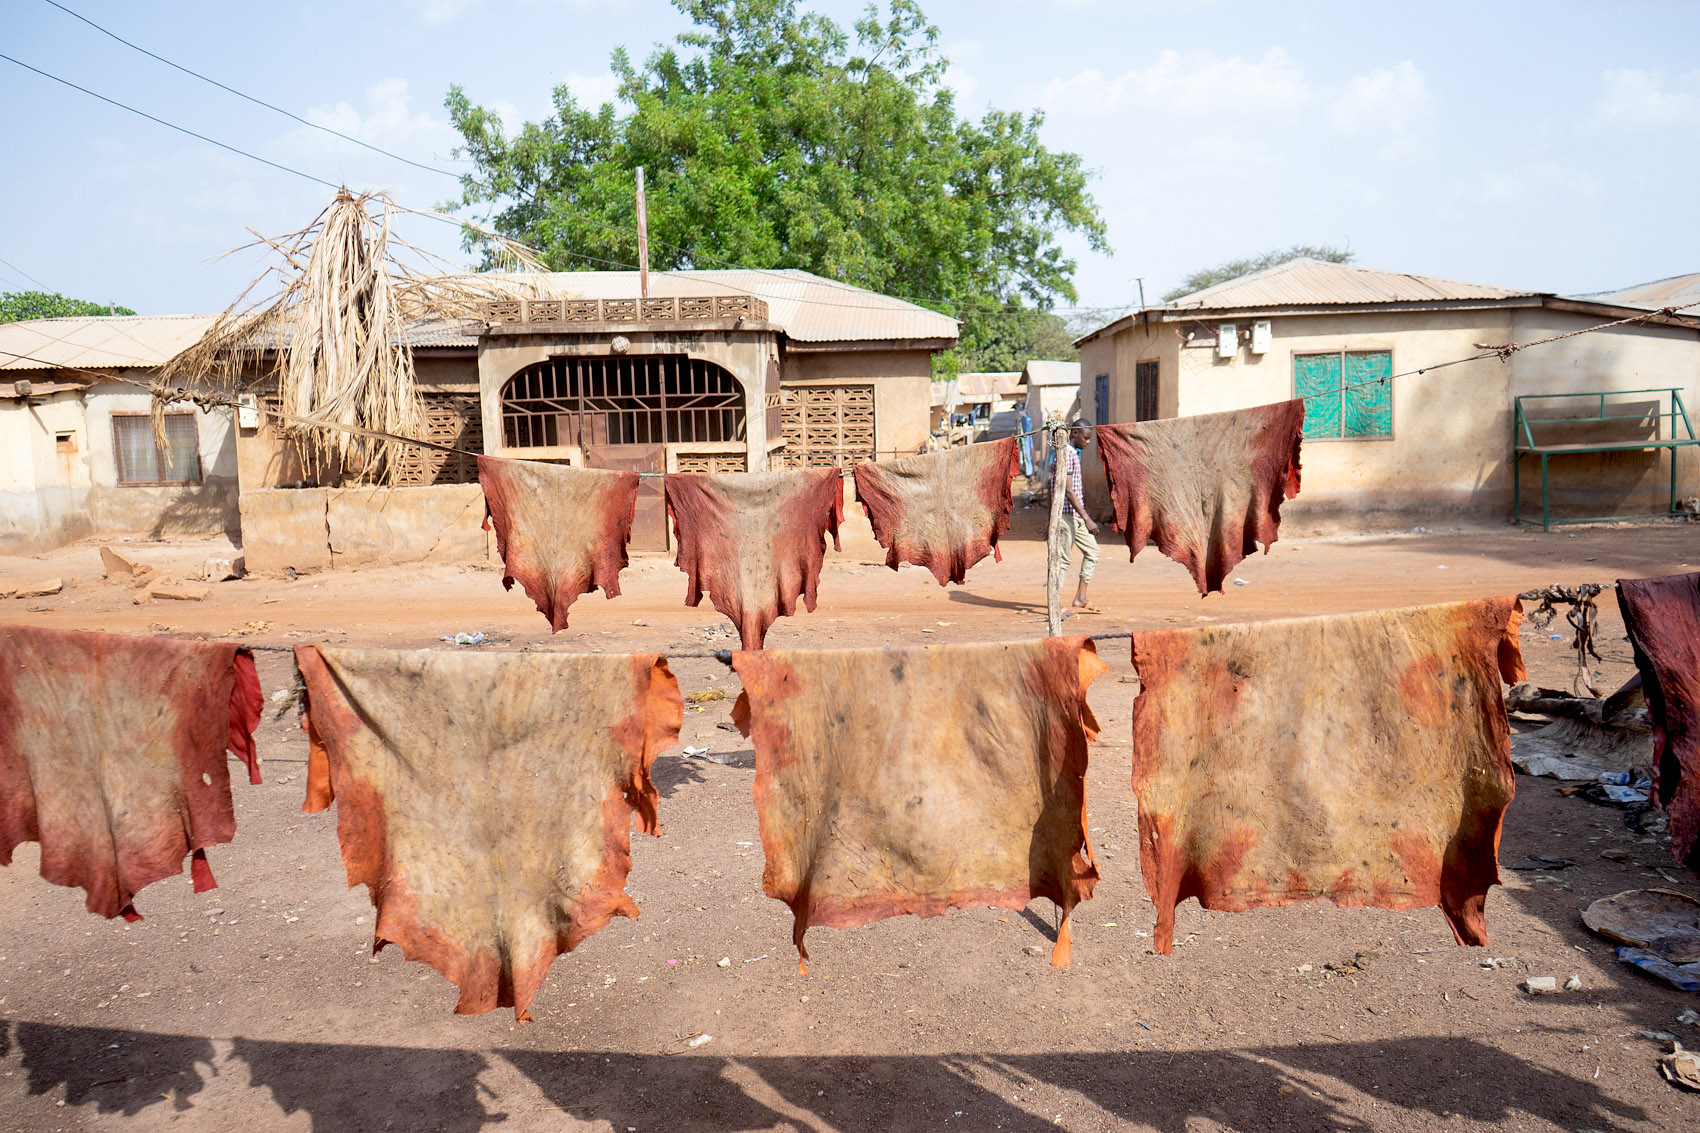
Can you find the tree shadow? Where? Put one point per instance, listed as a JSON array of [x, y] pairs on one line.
[[1301, 1086], [119, 1071]]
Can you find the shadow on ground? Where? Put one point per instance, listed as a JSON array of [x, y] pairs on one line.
[[1304, 1086]]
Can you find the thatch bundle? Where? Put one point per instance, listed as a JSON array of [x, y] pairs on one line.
[[333, 337]]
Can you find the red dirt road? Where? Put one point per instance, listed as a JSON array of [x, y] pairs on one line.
[[259, 1004]]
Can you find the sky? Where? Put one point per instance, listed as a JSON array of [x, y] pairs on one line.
[[1541, 145]]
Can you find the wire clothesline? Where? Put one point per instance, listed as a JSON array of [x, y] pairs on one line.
[[207, 400]]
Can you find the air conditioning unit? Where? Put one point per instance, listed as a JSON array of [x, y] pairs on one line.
[[1261, 332], [1227, 340]]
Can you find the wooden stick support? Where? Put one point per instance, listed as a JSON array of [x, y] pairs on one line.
[[1056, 548]]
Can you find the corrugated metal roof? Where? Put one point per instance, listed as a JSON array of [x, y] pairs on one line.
[[1677, 291], [985, 386], [1043, 373], [1307, 282], [98, 343], [808, 307]]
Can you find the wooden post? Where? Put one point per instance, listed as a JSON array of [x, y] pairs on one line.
[[643, 238], [1056, 548]]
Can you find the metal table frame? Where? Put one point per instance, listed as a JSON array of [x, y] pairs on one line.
[[1523, 444]]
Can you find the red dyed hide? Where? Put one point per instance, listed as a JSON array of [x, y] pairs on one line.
[[940, 510], [914, 779], [754, 541], [1662, 616], [1365, 758], [112, 756], [1206, 489], [486, 800], [561, 531]]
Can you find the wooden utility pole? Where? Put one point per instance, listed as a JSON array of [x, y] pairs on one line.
[[643, 238], [1056, 549]]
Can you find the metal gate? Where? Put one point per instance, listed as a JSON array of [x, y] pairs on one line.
[[622, 413]]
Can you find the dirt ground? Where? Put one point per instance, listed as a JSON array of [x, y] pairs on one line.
[[260, 1005]]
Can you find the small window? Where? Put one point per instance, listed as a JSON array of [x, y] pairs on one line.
[[1101, 400], [1145, 388], [142, 461], [1347, 394], [65, 444]]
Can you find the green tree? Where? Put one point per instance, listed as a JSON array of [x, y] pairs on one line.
[[772, 138], [1008, 339], [1233, 269], [16, 306]]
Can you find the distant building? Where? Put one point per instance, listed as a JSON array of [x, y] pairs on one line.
[[1435, 441]]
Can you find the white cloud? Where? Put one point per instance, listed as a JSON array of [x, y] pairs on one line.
[[1534, 182], [591, 91], [1187, 83], [1639, 100], [1387, 100]]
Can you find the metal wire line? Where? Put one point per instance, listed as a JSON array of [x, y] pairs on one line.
[[249, 97]]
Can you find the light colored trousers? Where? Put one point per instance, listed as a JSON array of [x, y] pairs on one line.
[[1083, 540]]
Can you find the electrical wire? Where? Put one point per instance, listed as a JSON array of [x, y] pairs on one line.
[[251, 98]]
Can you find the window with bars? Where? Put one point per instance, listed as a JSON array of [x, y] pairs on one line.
[[1347, 394], [666, 399], [141, 460], [1145, 390]]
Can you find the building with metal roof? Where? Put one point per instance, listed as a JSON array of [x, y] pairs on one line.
[[1409, 412], [1679, 291]]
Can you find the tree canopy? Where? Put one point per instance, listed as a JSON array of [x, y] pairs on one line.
[[1233, 269], [772, 138], [16, 306]]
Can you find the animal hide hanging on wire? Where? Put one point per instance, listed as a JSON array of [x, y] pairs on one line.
[[112, 756], [754, 541], [486, 800], [1205, 489], [1364, 758], [941, 510], [1662, 617], [917, 779], [561, 531]]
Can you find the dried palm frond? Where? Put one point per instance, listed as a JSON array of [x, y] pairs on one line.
[[334, 334]]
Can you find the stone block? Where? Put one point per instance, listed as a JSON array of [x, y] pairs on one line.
[[379, 526], [285, 528], [124, 569]]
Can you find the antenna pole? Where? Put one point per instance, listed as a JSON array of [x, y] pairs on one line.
[[643, 238]]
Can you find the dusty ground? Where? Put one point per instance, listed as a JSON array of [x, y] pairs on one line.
[[259, 1005]]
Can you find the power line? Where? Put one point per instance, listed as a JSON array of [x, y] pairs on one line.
[[25, 274], [251, 98], [171, 125]]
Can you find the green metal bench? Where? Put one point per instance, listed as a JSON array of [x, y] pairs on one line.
[[1523, 444]]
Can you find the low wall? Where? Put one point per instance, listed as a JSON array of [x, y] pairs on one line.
[[35, 522], [311, 529]]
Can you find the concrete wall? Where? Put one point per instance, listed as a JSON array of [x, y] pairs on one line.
[[313, 529], [1450, 452], [902, 381], [49, 498]]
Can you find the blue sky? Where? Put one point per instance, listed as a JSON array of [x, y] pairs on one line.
[[1542, 145]]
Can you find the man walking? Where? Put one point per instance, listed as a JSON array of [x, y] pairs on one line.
[[1081, 530]]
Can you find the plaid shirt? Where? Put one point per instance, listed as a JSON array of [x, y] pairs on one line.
[[1073, 456]]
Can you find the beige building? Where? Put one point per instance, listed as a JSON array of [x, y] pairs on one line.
[[1435, 438], [78, 455], [714, 371]]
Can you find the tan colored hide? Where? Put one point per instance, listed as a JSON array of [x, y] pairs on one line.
[[941, 510], [112, 756], [754, 541], [1364, 758], [560, 531], [1205, 489], [914, 779], [1662, 616], [486, 799]]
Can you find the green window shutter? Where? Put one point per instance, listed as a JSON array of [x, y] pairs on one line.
[[1316, 378], [1369, 407]]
